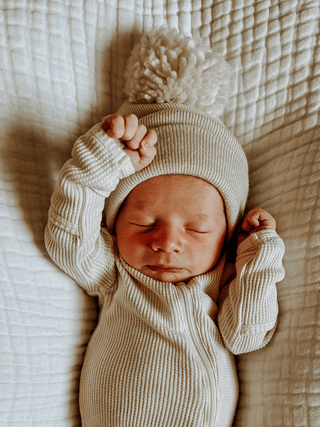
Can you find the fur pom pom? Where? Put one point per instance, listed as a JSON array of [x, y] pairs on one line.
[[169, 67]]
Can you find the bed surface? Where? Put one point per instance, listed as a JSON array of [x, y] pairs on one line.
[[61, 72]]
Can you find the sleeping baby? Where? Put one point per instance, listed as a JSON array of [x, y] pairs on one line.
[[174, 309]]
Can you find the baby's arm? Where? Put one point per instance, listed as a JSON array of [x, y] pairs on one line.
[[248, 314], [74, 237]]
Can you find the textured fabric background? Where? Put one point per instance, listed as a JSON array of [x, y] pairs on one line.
[[61, 71]]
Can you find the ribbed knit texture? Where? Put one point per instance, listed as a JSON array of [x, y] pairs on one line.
[[161, 354]]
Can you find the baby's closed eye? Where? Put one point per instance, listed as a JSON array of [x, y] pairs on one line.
[[143, 225], [199, 231]]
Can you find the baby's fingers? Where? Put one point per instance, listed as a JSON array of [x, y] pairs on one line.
[[131, 127], [135, 141], [250, 222], [148, 142], [147, 150], [258, 219], [113, 125], [121, 127]]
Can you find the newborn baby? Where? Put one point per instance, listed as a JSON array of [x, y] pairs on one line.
[[173, 309]]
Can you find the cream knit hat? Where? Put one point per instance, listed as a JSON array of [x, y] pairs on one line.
[[178, 87]]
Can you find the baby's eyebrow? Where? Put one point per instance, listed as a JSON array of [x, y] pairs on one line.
[[142, 209], [139, 211], [200, 219], [212, 216], [204, 216]]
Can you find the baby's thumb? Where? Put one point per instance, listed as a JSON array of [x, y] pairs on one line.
[[146, 154]]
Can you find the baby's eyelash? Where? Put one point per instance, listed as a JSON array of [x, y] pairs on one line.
[[153, 225], [197, 231], [143, 225]]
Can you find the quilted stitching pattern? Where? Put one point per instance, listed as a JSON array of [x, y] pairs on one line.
[[61, 71]]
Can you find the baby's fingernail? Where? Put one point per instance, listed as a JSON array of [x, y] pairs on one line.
[[144, 145]]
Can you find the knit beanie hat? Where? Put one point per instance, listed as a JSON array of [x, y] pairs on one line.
[[177, 86]]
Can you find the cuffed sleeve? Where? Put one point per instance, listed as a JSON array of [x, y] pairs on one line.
[[248, 315]]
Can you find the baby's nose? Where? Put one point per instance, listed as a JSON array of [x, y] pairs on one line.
[[167, 238]]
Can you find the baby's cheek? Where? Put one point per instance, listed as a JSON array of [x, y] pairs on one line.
[[123, 244], [131, 249], [212, 250]]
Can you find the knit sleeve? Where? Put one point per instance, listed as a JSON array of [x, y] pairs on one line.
[[248, 315], [74, 238]]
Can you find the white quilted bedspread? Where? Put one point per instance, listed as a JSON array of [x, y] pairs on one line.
[[61, 71]]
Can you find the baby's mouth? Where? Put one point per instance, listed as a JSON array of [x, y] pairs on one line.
[[165, 269]]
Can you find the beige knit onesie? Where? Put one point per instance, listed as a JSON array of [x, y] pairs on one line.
[[161, 355]]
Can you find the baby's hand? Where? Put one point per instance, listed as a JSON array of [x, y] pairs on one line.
[[138, 140], [255, 220]]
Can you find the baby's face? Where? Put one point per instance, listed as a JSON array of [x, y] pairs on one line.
[[172, 227]]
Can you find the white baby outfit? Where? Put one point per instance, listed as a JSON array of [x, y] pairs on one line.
[[161, 354]]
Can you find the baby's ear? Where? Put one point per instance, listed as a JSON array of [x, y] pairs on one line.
[[169, 67]]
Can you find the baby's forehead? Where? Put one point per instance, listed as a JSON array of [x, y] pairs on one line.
[[176, 193]]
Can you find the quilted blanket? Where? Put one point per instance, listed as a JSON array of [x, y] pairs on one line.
[[61, 72]]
